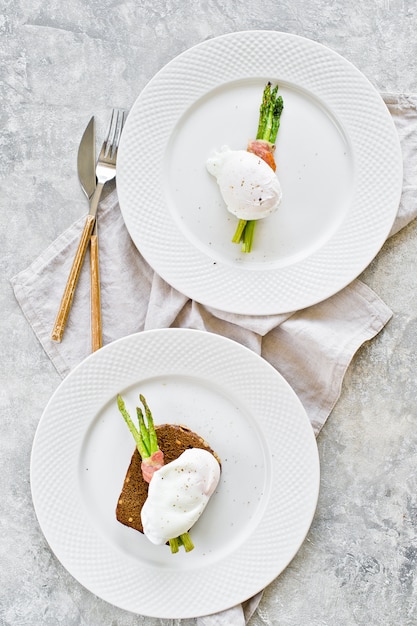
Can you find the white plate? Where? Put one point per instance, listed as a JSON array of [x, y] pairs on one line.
[[338, 159], [256, 520]]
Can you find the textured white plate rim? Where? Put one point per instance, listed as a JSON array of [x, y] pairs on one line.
[[369, 131], [92, 559]]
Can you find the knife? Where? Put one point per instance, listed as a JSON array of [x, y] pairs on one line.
[[86, 168], [86, 162]]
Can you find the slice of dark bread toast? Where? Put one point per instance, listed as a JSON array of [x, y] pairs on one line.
[[173, 440]]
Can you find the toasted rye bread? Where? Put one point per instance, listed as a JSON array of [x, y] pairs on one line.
[[173, 440]]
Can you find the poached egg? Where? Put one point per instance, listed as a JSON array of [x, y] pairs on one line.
[[248, 185], [178, 494]]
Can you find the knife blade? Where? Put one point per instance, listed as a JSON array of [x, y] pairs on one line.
[[86, 159]]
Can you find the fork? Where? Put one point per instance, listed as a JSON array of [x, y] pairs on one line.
[[105, 171]]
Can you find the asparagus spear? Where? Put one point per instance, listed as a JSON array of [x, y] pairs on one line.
[[140, 443], [148, 448], [153, 441], [268, 126]]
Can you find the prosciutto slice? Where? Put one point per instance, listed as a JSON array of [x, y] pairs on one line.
[[264, 150], [151, 464]]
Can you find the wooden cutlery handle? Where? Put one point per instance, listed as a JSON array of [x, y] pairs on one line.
[[68, 295], [96, 327]]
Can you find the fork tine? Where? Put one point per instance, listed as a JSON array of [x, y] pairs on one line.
[[110, 132], [120, 120], [114, 131]]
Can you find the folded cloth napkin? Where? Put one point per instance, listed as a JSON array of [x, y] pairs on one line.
[[311, 348]]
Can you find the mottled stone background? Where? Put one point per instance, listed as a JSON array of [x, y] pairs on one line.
[[62, 62]]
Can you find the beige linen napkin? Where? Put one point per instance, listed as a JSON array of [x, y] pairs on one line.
[[311, 348]]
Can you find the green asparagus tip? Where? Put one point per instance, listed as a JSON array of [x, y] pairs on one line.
[[136, 434], [143, 431], [279, 105], [153, 441]]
